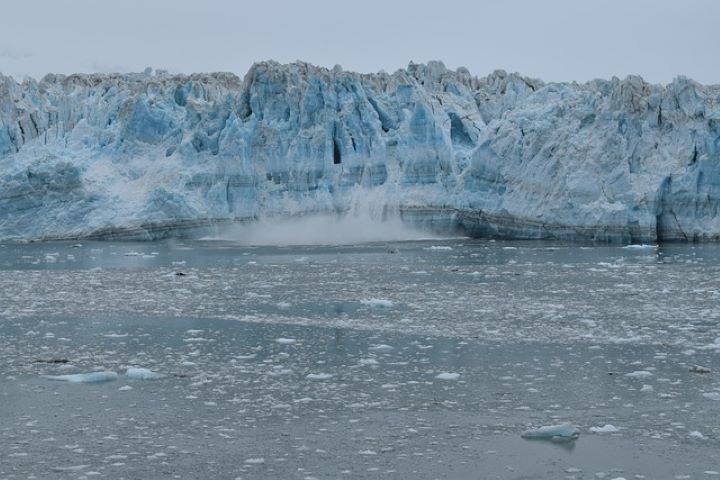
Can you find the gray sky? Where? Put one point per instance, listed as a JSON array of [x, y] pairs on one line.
[[550, 39]]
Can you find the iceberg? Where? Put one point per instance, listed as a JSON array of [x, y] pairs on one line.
[[147, 156]]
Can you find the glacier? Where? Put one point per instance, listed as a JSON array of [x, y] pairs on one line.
[[151, 154]]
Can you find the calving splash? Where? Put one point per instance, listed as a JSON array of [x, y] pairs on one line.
[[372, 216]]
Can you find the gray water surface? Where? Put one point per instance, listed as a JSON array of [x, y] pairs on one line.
[[330, 362]]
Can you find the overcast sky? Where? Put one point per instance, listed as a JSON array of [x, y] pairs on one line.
[[559, 40]]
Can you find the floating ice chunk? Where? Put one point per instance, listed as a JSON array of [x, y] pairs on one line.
[[72, 468], [367, 361], [319, 376], [377, 302], [607, 428], [285, 341], [138, 373], [132, 254], [699, 369], [553, 432], [380, 348], [283, 305], [92, 377], [640, 246], [647, 388], [639, 374], [195, 340], [278, 370], [125, 388], [254, 461], [438, 247], [633, 339], [712, 395], [696, 434], [367, 452], [448, 376], [116, 457]]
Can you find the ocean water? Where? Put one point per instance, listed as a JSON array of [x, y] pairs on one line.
[[407, 359]]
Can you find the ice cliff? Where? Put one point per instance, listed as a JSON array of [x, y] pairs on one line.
[[148, 154]]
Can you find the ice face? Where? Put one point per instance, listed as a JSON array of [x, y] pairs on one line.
[[141, 155]]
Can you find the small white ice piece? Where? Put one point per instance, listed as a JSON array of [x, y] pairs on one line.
[[139, 373], [380, 348], [607, 428], [377, 302], [318, 376], [72, 468], [448, 376], [367, 361]]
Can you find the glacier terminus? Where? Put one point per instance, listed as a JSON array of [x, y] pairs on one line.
[[150, 155]]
